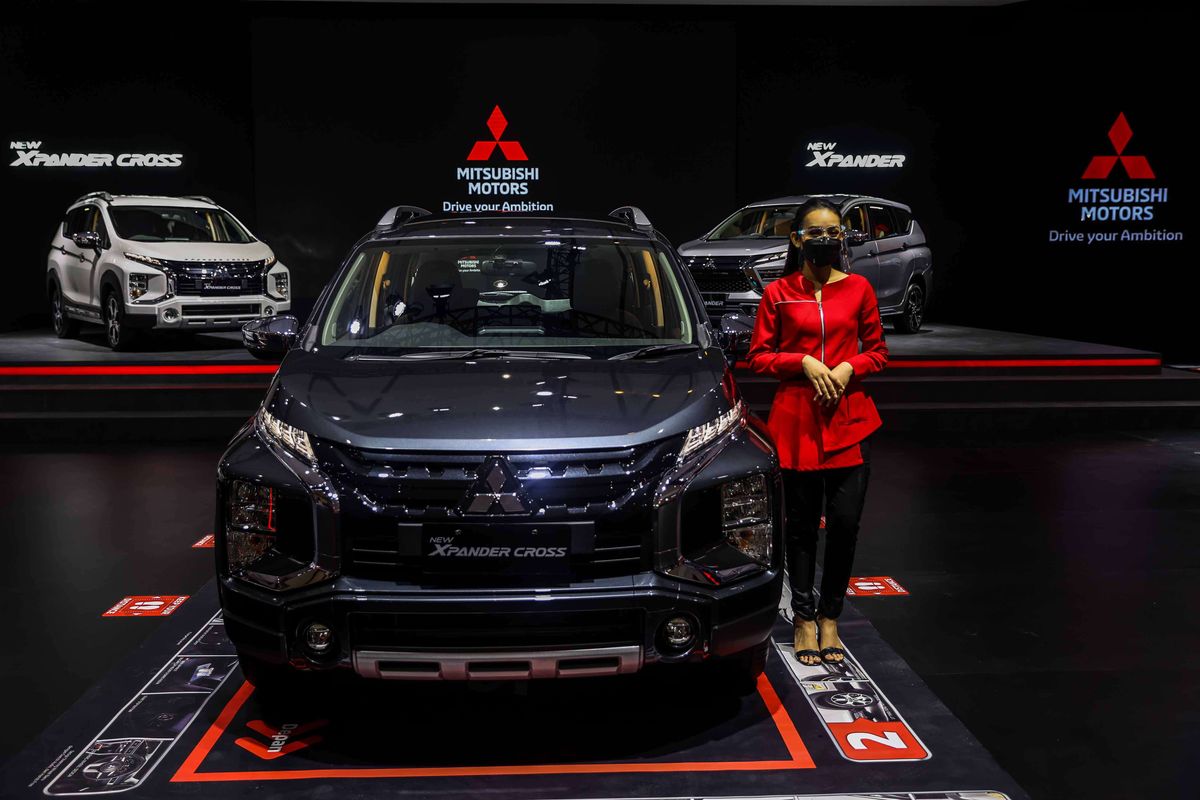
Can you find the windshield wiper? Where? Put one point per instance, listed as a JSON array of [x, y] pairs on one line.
[[479, 352], [655, 350]]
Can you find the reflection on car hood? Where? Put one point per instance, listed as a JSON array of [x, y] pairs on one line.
[[496, 404], [732, 247], [199, 251]]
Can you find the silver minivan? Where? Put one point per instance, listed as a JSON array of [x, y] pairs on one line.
[[884, 243]]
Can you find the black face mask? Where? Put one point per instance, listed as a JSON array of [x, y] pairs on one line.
[[823, 251]]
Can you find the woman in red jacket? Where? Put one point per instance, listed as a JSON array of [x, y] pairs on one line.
[[806, 334]]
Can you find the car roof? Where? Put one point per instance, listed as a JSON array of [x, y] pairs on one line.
[[840, 199], [118, 200], [512, 225]]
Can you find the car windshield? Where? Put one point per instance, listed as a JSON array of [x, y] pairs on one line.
[[760, 222], [595, 297], [177, 224]]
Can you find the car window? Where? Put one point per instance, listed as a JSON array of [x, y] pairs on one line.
[[510, 293], [856, 219], [76, 221], [759, 222], [883, 224], [177, 224], [903, 221]]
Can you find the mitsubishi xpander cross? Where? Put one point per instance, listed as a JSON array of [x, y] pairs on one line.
[[135, 263], [500, 448]]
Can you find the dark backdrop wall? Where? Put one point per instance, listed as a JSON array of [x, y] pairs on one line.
[[308, 120]]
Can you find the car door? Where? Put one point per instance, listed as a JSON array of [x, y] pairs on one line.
[[77, 262], [890, 245], [861, 258]]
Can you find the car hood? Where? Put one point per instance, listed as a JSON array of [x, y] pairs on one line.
[[199, 251], [499, 405], [745, 248]]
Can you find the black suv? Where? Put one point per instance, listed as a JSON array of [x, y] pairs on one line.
[[500, 448]]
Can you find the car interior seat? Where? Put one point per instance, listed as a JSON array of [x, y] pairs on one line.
[[603, 290]]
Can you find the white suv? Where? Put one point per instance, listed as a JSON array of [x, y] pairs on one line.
[[134, 262]]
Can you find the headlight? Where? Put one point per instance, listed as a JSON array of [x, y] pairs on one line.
[[281, 284], [141, 259], [701, 435], [286, 435], [251, 532], [746, 517], [770, 258], [269, 261], [139, 284]]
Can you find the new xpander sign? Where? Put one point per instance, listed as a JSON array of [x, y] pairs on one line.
[[494, 182], [1099, 205], [824, 156], [29, 154]]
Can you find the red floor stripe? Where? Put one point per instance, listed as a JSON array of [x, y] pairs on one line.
[[144, 369]]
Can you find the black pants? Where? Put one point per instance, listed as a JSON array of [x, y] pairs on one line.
[[843, 490]]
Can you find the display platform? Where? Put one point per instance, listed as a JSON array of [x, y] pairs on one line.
[[208, 382], [178, 720]]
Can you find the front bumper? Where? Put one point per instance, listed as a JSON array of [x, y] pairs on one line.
[[203, 313], [610, 626]]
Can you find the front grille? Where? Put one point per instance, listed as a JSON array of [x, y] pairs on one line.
[[216, 278], [720, 281], [221, 310], [491, 631], [380, 490]]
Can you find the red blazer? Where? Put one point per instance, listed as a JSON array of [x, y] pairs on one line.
[[792, 323]]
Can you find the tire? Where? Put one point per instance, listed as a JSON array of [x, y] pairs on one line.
[[117, 334], [64, 326], [741, 671], [910, 319]]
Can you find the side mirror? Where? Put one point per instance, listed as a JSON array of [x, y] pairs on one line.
[[857, 238], [269, 338], [734, 334], [87, 240]]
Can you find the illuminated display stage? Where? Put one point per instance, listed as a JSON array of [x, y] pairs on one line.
[[177, 719]]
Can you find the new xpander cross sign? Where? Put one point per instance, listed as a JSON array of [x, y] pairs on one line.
[[29, 154]]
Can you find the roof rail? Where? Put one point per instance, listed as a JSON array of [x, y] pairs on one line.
[[105, 196], [632, 216], [200, 197], [399, 215]]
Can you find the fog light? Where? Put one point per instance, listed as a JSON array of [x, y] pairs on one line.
[[318, 637], [269, 311], [170, 315], [678, 632]]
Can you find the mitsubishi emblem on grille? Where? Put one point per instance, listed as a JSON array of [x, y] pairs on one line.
[[496, 491]]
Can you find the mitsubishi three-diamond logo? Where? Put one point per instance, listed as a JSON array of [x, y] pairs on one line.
[[496, 491], [1137, 167], [511, 149]]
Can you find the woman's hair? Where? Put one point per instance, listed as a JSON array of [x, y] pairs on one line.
[[794, 256]]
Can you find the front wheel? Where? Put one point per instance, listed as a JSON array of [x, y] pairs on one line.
[[118, 335], [64, 326], [913, 314]]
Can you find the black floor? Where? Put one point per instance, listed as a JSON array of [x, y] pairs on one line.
[[1053, 604]]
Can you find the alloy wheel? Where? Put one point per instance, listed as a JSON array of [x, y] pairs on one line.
[[916, 307], [113, 323]]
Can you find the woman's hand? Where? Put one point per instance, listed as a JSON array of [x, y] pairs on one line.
[[842, 373], [826, 386]]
